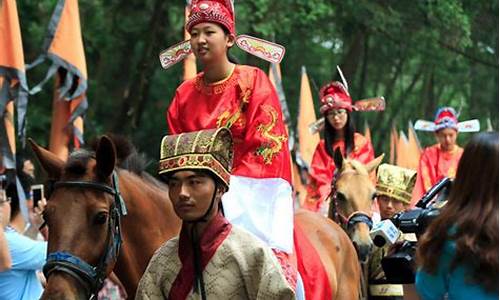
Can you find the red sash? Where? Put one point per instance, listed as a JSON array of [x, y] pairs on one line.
[[216, 232]]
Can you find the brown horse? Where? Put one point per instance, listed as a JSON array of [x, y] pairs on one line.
[[84, 200], [351, 200], [336, 252], [83, 217]]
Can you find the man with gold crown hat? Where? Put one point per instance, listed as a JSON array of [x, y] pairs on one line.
[[210, 259], [242, 99], [338, 127], [440, 160], [394, 191]]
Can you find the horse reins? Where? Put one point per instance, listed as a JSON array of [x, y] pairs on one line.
[[91, 277]]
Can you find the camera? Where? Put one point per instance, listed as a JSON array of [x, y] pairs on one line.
[[399, 267]]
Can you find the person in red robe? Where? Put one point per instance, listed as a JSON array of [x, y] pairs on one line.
[[242, 99], [440, 160], [339, 132]]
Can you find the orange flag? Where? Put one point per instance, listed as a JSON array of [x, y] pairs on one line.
[[64, 47], [13, 89], [13, 86], [368, 134], [307, 116], [190, 60], [414, 150], [393, 144]]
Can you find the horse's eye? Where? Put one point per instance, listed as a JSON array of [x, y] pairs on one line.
[[101, 218], [341, 196], [374, 196]]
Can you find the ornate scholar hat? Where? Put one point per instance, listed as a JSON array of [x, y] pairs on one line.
[[396, 182], [210, 150], [220, 12], [447, 117]]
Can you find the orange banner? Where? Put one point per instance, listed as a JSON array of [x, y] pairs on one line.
[[67, 53], [414, 149], [368, 133], [10, 38], [307, 116], [393, 145], [12, 81], [67, 43]]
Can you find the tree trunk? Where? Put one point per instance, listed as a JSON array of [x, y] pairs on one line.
[[131, 102]]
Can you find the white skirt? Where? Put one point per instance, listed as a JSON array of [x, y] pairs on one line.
[[263, 206]]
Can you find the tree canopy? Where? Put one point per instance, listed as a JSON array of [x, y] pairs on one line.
[[418, 54]]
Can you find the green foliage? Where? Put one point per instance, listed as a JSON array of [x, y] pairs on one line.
[[419, 54]]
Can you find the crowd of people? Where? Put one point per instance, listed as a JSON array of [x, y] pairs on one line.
[[227, 166]]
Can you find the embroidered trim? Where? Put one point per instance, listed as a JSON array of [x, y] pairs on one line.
[[194, 161], [215, 12], [273, 143], [215, 88], [226, 119]]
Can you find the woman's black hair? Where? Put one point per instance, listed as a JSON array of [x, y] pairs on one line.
[[11, 192], [230, 57], [330, 136]]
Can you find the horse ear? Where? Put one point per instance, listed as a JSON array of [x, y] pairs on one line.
[[338, 158], [52, 164], [371, 166], [105, 157]]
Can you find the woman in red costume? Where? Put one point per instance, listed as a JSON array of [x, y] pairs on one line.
[[440, 160], [339, 132], [242, 99]]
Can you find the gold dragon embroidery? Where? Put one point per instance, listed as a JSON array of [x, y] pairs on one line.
[[226, 119], [273, 143]]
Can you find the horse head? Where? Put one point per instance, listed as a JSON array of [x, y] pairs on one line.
[[351, 202], [83, 217]]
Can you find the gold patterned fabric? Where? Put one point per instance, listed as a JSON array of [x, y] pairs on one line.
[[396, 182], [210, 150]]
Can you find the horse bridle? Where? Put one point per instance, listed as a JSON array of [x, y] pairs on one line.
[[91, 277], [354, 218]]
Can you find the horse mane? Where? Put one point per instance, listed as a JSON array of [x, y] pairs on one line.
[[353, 165], [77, 161], [127, 156]]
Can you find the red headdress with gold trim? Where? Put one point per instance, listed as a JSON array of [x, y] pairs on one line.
[[447, 117], [220, 12], [334, 95]]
